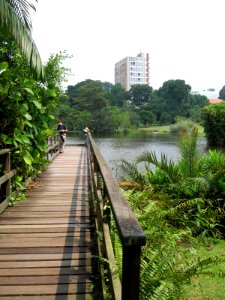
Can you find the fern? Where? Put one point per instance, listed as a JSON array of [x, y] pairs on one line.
[[167, 166], [133, 172]]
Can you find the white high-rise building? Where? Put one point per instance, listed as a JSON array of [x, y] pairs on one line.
[[132, 70]]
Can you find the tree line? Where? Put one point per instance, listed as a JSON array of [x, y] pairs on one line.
[[108, 108]]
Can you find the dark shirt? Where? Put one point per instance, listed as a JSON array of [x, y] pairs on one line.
[[61, 128]]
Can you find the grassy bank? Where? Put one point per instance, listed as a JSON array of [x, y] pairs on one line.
[[166, 129], [208, 287]]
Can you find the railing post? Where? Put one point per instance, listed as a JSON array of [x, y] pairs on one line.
[[131, 272], [8, 168], [130, 233]]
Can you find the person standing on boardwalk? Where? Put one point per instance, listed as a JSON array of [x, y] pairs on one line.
[[86, 130], [62, 135]]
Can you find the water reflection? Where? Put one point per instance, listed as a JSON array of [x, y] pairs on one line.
[[128, 147]]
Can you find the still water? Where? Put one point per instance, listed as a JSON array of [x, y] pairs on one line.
[[129, 146]]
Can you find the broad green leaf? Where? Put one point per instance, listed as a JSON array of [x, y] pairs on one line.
[[4, 89], [51, 117], [27, 160], [24, 107], [23, 139], [18, 139], [29, 91], [28, 116], [35, 129], [28, 83], [3, 66], [37, 104], [28, 124], [51, 93], [17, 96]]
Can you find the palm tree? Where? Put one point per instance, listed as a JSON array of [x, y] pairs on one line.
[[15, 22]]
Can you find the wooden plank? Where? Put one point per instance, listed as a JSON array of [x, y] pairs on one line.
[[38, 250], [46, 241], [65, 289], [85, 270], [37, 280], [44, 220], [49, 297], [45, 263], [50, 228], [46, 214], [18, 236], [44, 256]]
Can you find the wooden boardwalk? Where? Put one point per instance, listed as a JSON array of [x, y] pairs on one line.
[[47, 241]]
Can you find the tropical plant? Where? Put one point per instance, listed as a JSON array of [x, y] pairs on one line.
[[27, 110], [214, 123], [170, 259], [15, 23], [194, 186]]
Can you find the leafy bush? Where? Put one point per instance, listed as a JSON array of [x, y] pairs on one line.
[[214, 124], [27, 108]]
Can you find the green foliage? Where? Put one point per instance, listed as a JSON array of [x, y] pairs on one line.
[[97, 104], [214, 124], [190, 157], [112, 109], [140, 94], [171, 257], [181, 126], [194, 176], [222, 93], [26, 109], [15, 23]]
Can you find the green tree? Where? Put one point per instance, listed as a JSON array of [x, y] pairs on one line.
[[147, 117], [15, 23], [140, 94], [174, 95], [117, 95], [89, 96], [165, 118], [214, 124], [222, 93]]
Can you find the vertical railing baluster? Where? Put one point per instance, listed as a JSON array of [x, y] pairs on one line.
[[131, 272], [7, 169]]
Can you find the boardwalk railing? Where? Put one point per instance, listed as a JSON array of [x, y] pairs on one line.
[[53, 147], [5, 179], [6, 173], [108, 194]]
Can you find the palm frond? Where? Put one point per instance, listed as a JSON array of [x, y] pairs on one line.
[[23, 8], [190, 157], [19, 29], [165, 164], [133, 172]]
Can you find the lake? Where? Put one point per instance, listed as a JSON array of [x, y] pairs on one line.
[[129, 146]]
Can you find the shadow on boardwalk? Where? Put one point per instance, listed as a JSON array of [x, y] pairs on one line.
[[47, 241]]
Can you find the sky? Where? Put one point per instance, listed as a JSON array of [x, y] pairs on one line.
[[184, 38]]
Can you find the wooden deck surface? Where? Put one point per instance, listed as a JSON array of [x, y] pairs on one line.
[[46, 241]]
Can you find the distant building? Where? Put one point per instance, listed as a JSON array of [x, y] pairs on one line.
[[215, 101], [210, 93], [132, 70]]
